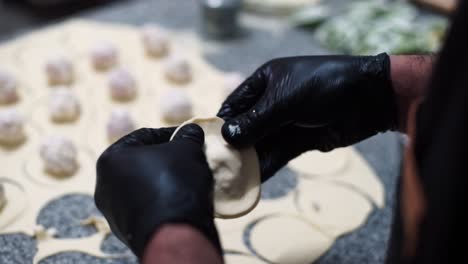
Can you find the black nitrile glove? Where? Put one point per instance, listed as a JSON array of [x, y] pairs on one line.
[[144, 181], [292, 105]]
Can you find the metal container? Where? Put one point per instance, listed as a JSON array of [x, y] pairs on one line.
[[220, 17]]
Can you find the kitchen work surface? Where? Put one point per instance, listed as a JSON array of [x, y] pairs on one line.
[[287, 199]]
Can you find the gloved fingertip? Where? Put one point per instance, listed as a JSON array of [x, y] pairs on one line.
[[225, 112], [191, 132], [222, 113], [233, 132]]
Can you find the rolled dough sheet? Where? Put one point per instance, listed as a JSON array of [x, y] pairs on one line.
[[16, 202], [76, 130], [316, 163], [335, 209], [295, 241], [343, 166], [247, 187], [241, 259], [34, 169], [25, 93], [362, 179], [12, 155], [89, 245], [28, 54], [231, 231], [34, 51]]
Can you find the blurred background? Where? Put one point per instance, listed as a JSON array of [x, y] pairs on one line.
[[247, 27], [357, 27], [240, 36]]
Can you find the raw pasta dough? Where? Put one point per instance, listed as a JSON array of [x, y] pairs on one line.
[[59, 155], [2, 197], [178, 70], [103, 55], [11, 127], [14, 204], [59, 70], [8, 88], [236, 172], [38, 188], [241, 259], [318, 163], [64, 105], [334, 214], [122, 84], [155, 40], [295, 240], [120, 124], [176, 106]]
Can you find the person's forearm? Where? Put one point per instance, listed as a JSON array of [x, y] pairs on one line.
[[410, 75], [179, 243]]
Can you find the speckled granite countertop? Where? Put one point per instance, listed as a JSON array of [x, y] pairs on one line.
[[262, 40]]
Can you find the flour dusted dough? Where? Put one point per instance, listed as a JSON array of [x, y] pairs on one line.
[[178, 70], [175, 106], [316, 163], [122, 84], [8, 88], [155, 40], [59, 155], [64, 105], [236, 172], [120, 124], [103, 55], [11, 127], [295, 240], [59, 70]]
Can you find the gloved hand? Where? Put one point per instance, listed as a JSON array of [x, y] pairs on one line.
[[144, 182], [291, 105]]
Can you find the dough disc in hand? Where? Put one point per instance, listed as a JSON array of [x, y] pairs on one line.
[[236, 171]]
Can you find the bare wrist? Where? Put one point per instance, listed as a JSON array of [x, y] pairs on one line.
[[410, 75], [180, 243]]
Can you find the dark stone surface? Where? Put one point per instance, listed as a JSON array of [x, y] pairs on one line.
[[258, 44], [112, 245], [66, 213], [280, 185], [80, 258], [17, 249]]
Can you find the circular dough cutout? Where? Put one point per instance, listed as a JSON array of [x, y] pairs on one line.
[[16, 202], [334, 208], [245, 194], [76, 130], [316, 163], [241, 259], [32, 133], [284, 239], [35, 169]]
